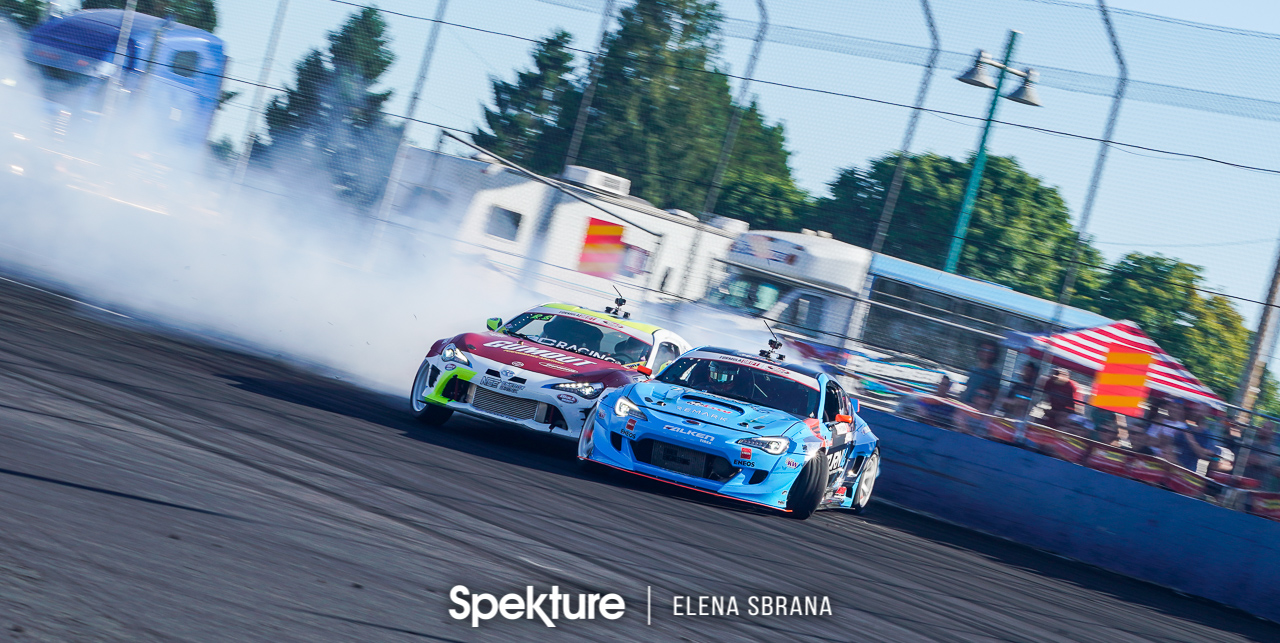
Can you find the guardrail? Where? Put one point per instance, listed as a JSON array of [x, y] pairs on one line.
[[1229, 491], [1117, 523]]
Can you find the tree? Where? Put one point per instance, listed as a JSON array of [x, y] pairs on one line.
[[1020, 234], [1203, 331], [201, 14], [528, 111], [660, 111], [765, 201], [24, 13], [332, 116]]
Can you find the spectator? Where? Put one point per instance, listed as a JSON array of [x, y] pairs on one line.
[[977, 425], [939, 413], [1263, 463], [1076, 424], [1140, 439], [1194, 443], [1165, 430], [943, 390], [1025, 387], [1061, 392], [984, 375], [1107, 432]]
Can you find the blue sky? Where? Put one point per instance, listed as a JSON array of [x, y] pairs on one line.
[[1206, 213]]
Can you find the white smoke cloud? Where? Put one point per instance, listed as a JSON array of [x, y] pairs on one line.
[[136, 226]]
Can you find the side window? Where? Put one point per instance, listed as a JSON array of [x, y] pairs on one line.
[[667, 352], [503, 223], [805, 313], [185, 63], [831, 406]]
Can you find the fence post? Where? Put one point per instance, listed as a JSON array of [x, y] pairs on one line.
[[895, 185], [1068, 282], [726, 148], [264, 76]]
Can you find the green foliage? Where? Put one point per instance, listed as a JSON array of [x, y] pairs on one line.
[[1204, 331], [201, 14], [527, 112], [332, 116], [1020, 234], [24, 13], [658, 117], [224, 151], [766, 201]]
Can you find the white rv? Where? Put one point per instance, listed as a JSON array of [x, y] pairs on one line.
[[866, 311]]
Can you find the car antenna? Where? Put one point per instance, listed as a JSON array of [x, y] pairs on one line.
[[775, 344], [617, 305]]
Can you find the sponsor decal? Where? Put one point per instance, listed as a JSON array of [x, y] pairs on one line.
[[547, 607], [600, 414], [705, 438], [508, 373], [841, 491], [567, 399], [791, 464], [450, 366], [558, 367], [744, 463], [706, 406], [746, 453], [507, 387], [631, 423], [628, 434], [517, 364], [534, 351]]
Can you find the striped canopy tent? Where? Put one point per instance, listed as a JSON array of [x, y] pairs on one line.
[[1124, 363]]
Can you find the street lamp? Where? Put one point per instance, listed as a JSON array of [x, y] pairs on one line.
[[1026, 94]]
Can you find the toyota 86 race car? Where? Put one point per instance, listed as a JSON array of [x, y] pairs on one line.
[[542, 370], [749, 428]]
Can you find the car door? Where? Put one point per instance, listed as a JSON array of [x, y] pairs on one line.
[[834, 405]]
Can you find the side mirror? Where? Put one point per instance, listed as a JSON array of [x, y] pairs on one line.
[[493, 323], [847, 419], [644, 370]]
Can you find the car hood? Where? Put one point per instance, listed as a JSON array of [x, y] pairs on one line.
[[712, 409], [544, 360]]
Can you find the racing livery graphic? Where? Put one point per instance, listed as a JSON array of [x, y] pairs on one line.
[[542, 370], [744, 427]]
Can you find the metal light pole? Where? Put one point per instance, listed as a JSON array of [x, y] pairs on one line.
[[977, 76], [264, 76], [899, 169]]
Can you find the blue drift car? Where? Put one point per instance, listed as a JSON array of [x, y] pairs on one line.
[[740, 426]]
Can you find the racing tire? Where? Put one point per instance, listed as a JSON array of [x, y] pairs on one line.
[[866, 483], [426, 413], [806, 492]]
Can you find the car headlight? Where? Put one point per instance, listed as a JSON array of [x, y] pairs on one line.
[[624, 407], [587, 390], [452, 354], [772, 446]]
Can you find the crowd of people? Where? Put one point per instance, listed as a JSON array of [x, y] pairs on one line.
[[1190, 434]]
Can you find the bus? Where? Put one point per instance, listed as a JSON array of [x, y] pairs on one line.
[[172, 73]]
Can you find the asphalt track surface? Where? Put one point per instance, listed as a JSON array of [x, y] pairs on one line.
[[158, 488]]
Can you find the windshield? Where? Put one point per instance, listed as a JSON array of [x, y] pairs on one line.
[[577, 336], [744, 383], [752, 294]]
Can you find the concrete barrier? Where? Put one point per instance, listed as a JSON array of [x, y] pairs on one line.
[[1119, 524]]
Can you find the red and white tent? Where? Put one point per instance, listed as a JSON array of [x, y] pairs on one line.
[[1086, 349]]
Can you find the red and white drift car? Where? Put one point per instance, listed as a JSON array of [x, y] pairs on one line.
[[542, 370]]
